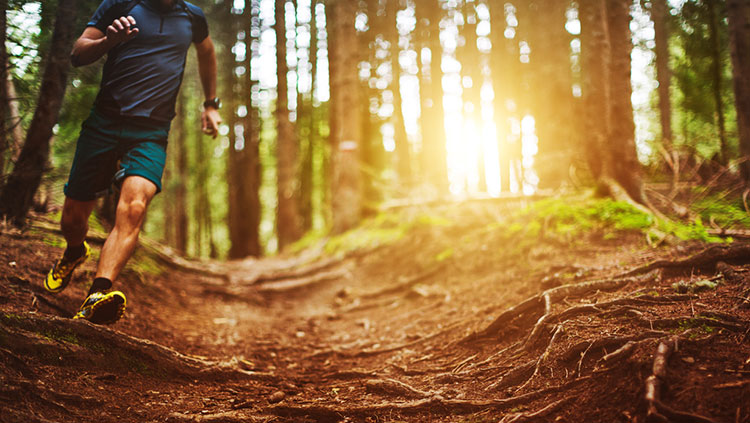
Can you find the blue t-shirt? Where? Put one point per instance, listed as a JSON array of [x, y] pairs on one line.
[[141, 77]]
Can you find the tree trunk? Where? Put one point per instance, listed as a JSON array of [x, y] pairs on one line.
[[346, 136], [17, 194], [306, 164], [180, 175], [595, 60], [250, 158], [403, 151], [471, 67], [3, 88], [551, 94], [739, 40], [659, 15], [716, 73], [434, 143], [505, 70], [287, 213], [623, 163]]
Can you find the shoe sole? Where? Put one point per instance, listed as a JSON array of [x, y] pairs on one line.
[[109, 310]]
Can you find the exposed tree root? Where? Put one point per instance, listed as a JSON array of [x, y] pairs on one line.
[[393, 387], [656, 410], [707, 257], [433, 405], [525, 417], [543, 357], [234, 416], [542, 303]]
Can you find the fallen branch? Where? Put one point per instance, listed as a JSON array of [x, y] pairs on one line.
[[656, 410]]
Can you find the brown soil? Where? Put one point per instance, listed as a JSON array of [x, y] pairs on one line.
[[559, 332]]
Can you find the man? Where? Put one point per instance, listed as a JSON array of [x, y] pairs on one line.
[[123, 141]]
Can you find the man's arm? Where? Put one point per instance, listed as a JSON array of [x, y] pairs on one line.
[[210, 119], [93, 43]]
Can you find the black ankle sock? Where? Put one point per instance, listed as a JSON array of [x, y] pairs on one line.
[[73, 252], [100, 284]]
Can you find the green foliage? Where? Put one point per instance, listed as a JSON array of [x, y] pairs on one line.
[[692, 66], [568, 218], [725, 211]]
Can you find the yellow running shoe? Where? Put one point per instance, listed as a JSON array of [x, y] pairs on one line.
[[102, 308], [61, 273]]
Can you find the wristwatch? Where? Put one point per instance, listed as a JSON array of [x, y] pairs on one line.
[[214, 102]]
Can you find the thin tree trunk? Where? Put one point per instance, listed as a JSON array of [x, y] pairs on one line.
[[14, 119], [739, 40], [17, 194], [287, 220], [403, 153], [716, 73], [471, 66], [432, 123], [659, 13], [346, 137], [595, 58], [623, 160], [306, 165], [552, 97], [3, 88], [180, 228], [505, 78]]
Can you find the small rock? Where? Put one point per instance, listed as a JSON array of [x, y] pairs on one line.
[[12, 264], [277, 396], [689, 360], [300, 334]]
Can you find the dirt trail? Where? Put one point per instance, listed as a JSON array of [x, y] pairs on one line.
[[450, 323]]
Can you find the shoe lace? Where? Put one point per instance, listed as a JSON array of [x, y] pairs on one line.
[[62, 268]]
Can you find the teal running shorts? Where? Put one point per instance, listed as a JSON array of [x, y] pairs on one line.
[[109, 149]]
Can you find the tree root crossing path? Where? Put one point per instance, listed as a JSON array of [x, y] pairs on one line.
[[447, 323]]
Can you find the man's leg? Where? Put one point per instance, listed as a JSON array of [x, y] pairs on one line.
[[135, 195], [75, 220], [74, 225]]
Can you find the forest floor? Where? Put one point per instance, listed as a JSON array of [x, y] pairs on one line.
[[446, 314]]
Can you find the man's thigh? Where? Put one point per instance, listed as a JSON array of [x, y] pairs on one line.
[[95, 160]]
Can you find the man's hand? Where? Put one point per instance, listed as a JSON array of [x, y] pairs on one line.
[[121, 30], [210, 121]]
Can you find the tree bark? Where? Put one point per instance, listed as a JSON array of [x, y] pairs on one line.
[[180, 223], [659, 14], [434, 156], [739, 40], [403, 150], [505, 80], [595, 58], [17, 194], [3, 88], [471, 67], [551, 93], [307, 172], [716, 74], [287, 212], [623, 163], [346, 137]]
